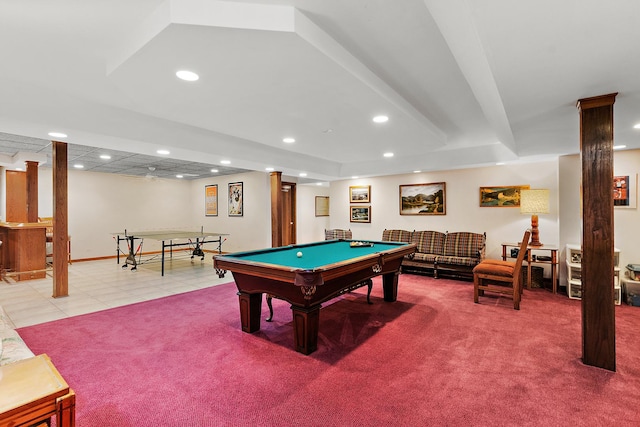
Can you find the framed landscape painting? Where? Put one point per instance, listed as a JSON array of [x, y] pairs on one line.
[[423, 199], [505, 196], [360, 213], [360, 194]]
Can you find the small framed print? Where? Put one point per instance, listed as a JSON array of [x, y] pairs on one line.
[[322, 205], [360, 213], [360, 194], [211, 200], [625, 191], [235, 199]]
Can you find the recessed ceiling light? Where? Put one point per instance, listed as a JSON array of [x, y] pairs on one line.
[[289, 140], [188, 76], [619, 147], [388, 154], [78, 166], [214, 171], [225, 162], [499, 163], [303, 174], [163, 152], [58, 134], [318, 183], [417, 171], [269, 169], [105, 156], [355, 177], [636, 126], [179, 176], [380, 119]]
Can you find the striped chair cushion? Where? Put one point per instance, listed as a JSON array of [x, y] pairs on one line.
[[457, 260], [429, 242], [396, 236], [464, 244]]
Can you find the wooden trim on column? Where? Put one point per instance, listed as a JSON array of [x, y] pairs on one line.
[[32, 191], [60, 225], [598, 306], [276, 209]]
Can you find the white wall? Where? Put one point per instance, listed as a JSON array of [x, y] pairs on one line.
[[310, 228], [100, 204], [626, 221], [250, 231], [463, 211]]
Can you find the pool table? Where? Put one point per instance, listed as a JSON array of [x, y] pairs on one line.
[[323, 271]]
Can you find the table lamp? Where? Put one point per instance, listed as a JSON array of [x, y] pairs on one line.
[[534, 202]]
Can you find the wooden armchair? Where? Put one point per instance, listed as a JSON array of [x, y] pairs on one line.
[[501, 276]]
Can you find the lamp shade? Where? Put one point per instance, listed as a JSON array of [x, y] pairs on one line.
[[534, 202]]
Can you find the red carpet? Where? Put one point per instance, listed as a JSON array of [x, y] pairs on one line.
[[431, 358]]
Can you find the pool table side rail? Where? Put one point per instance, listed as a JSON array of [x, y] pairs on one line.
[[288, 274]]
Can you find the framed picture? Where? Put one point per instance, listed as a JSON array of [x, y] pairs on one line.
[[235, 199], [505, 196], [211, 200], [625, 191], [322, 205], [423, 199], [360, 213], [360, 194]]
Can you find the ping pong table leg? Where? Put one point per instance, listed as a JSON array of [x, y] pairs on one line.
[[163, 246]]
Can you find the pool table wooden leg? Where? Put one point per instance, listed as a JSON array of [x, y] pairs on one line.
[[390, 286], [250, 311], [305, 328]]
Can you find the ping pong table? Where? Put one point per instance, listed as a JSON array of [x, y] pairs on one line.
[[194, 240]]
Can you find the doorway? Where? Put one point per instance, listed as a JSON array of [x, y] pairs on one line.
[[288, 192]]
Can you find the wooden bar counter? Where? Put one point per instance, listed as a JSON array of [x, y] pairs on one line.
[[23, 250]]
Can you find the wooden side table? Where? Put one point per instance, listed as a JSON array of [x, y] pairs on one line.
[[550, 257], [32, 391]]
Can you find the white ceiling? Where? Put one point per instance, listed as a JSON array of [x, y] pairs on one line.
[[464, 83]]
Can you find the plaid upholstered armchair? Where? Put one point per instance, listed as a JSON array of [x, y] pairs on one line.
[[337, 233]]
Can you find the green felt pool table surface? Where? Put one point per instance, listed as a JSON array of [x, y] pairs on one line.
[[314, 255]]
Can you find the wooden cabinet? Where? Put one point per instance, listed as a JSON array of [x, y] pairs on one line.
[[23, 250], [574, 273]]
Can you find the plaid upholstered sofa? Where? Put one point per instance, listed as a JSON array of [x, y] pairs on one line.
[[453, 254]]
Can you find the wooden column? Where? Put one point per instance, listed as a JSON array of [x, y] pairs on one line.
[[598, 306], [276, 209], [32, 191], [60, 226]]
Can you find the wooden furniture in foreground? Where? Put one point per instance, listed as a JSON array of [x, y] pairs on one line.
[[533, 257], [23, 250], [308, 275], [33, 391], [501, 276]]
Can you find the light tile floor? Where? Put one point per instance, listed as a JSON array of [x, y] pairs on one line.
[[99, 285]]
